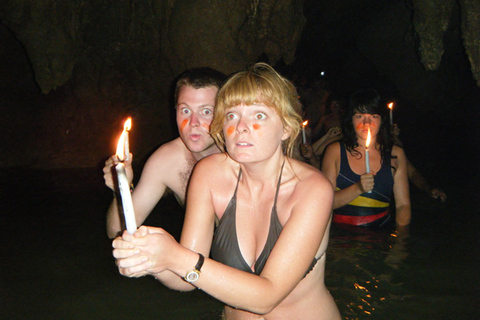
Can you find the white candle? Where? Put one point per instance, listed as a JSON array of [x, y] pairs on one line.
[[390, 106], [127, 203], [367, 161], [123, 152], [304, 137], [127, 147], [367, 156], [126, 129]]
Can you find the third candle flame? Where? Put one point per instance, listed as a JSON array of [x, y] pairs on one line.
[[369, 137], [123, 143]]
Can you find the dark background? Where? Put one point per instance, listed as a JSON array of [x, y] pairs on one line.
[[71, 72]]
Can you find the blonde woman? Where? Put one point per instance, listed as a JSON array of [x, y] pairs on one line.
[[257, 221]]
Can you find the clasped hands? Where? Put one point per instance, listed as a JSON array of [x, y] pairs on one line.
[[148, 251]]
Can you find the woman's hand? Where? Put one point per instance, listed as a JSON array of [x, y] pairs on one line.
[[366, 182], [334, 132], [148, 251], [306, 150], [437, 193]]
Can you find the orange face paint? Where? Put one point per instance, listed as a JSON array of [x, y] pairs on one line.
[[256, 126], [230, 130], [183, 124], [206, 126]]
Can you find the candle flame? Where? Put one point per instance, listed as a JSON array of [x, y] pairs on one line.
[[128, 125], [121, 141], [369, 137], [390, 105], [304, 123]]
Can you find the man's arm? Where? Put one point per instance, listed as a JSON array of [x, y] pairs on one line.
[[401, 189], [157, 175], [421, 183]]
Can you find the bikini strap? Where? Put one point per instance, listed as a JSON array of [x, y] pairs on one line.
[[238, 180], [278, 185]]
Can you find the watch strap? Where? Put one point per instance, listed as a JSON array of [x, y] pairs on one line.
[[201, 260], [194, 274]]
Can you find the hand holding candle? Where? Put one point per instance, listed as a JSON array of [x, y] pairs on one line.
[[304, 137], [122, 154]]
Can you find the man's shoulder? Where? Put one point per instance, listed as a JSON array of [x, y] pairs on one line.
[[173, 149], [169, 155]]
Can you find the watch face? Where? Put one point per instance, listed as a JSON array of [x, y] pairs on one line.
[[192, 276]]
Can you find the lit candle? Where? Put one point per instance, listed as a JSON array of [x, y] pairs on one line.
[[126, 128], [390, 106], [304, 124], [367, 156], [123, 185]]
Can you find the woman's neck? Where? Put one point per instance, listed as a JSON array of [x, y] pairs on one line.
[[263, 171]]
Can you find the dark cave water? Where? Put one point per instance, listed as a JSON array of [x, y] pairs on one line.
[[56, 260]]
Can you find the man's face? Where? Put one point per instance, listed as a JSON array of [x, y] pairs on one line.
[[195, 109]]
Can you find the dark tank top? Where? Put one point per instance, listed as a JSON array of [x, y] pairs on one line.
[[225, 247], [368, 209]]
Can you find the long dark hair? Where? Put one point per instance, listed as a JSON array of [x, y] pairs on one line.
[[367, 101]]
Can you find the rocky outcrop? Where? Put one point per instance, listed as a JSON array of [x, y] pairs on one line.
[[431, 19], [87, 39], [470, 21], [97, 61]]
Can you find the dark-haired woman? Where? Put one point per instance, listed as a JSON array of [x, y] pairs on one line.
[[363, 198]]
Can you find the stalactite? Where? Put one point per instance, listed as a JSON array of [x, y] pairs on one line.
[[470, 11], [430, 20]]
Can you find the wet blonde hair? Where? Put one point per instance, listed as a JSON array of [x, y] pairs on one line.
[[259, 84]]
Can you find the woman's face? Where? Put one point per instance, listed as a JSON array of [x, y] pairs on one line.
[[253, 132], [363, 121]]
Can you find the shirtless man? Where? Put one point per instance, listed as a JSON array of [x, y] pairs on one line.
[[171, 164]]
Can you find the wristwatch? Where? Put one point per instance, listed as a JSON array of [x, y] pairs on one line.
[[193, 275]]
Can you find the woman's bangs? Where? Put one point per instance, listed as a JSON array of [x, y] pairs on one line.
[[245, 90]]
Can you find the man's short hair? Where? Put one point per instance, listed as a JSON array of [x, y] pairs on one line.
[[198, 78]]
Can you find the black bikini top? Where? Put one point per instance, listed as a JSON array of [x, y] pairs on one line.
[[225, 247]]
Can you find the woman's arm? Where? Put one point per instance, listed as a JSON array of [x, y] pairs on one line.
[[333, 134], [421, 183], [152, 250], [401, 189]]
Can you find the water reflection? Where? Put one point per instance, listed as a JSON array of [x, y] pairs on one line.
[[361, 269]]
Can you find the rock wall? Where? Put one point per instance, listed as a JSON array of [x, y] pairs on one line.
[[72, 71], [96, 62], [432, 18]]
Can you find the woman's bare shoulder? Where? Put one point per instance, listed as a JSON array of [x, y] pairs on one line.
[[334, 146], [332, 150], [214, 164], [398, 151], [309, 176]]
